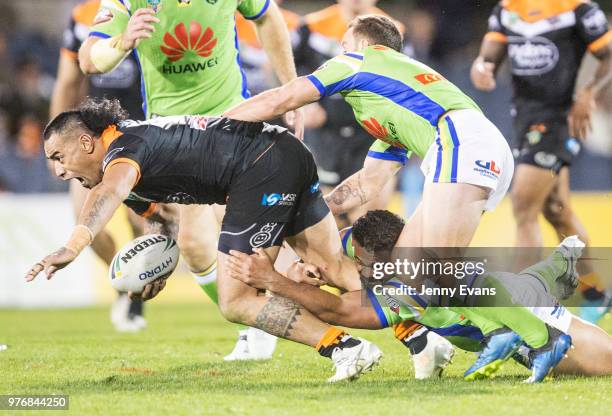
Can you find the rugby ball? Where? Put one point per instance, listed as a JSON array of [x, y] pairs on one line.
[[143, 260]]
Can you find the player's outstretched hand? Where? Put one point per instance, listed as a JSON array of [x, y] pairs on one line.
[[483, 75], [151, 290], [256, 270], [52, 263], [579, 118], [305, 273], [140, 26], [295, 120]]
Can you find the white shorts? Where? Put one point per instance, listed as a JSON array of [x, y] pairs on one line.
[[528, 290], [470, 149]]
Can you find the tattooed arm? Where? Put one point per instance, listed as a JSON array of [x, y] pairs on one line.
[[163, 221], [362, 186], [99, 207], [257, 270]]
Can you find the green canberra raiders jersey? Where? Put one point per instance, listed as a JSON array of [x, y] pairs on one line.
[[394, 302], [398, 100], [191, 64]]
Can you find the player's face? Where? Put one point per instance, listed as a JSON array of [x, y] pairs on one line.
[[78, 159], [352, 43], [365, 259]]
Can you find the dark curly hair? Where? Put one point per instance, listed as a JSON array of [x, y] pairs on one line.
[[378, 230], [93, 114]]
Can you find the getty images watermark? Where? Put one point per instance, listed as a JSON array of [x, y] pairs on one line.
[[488, 277]]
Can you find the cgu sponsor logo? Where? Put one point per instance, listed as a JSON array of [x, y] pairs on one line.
[[131, 253], [269, 200], [428, 78], [193, 42], [156, 271], [488, 169]]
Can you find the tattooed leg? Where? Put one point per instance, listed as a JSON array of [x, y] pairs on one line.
[[278, 316]]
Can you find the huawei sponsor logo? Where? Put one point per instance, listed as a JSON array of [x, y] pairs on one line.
[[201, 42]]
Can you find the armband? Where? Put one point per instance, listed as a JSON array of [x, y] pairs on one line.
[[81, 237]]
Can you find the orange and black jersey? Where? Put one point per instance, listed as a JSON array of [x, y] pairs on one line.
[[546, 41], [123, 82], [185, 159]]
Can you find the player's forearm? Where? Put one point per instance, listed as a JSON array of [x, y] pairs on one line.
[[99, 207], [67, 91], [603, 74], [350, 194], [272, 30], [265, 106], [64, 97], [324, 305], [98, 56]]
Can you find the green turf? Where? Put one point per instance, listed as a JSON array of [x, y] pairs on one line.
[[175, 367]]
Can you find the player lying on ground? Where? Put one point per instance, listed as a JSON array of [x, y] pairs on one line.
[[265, 176], [377, 232], [411, 108]]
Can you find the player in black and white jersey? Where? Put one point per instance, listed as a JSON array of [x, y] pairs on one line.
[[122, 83], [545, 41]]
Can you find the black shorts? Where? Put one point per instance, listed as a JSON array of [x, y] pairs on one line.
[[277, 197], [338, 154], [543, 139]]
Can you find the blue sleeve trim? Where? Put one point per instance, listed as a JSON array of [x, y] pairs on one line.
[[392, 156], [261, 13], [381, 315], [317, 84], [354, 55], [343, 85], [100, 35]]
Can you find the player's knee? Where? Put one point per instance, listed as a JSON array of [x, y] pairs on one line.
[[524, 207], [556, 213], [198, 249], [231, 309]]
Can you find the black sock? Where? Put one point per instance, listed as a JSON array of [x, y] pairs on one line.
[[417, 341], [346, 341]]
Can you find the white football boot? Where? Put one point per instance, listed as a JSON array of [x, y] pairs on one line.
[[351, 362], [253, 344], [437, 354], [121, 318]]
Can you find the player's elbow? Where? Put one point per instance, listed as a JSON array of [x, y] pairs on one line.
[[85, 63], [87, 67]]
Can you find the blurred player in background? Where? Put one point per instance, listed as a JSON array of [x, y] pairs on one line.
[[338, 143], [546, 41], [190, 65], [71, 86]]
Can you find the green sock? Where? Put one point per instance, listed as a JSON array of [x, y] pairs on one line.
[[208, 283], [512, 315], [547, 271]]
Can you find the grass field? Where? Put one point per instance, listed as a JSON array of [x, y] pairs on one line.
[[176, 367]]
